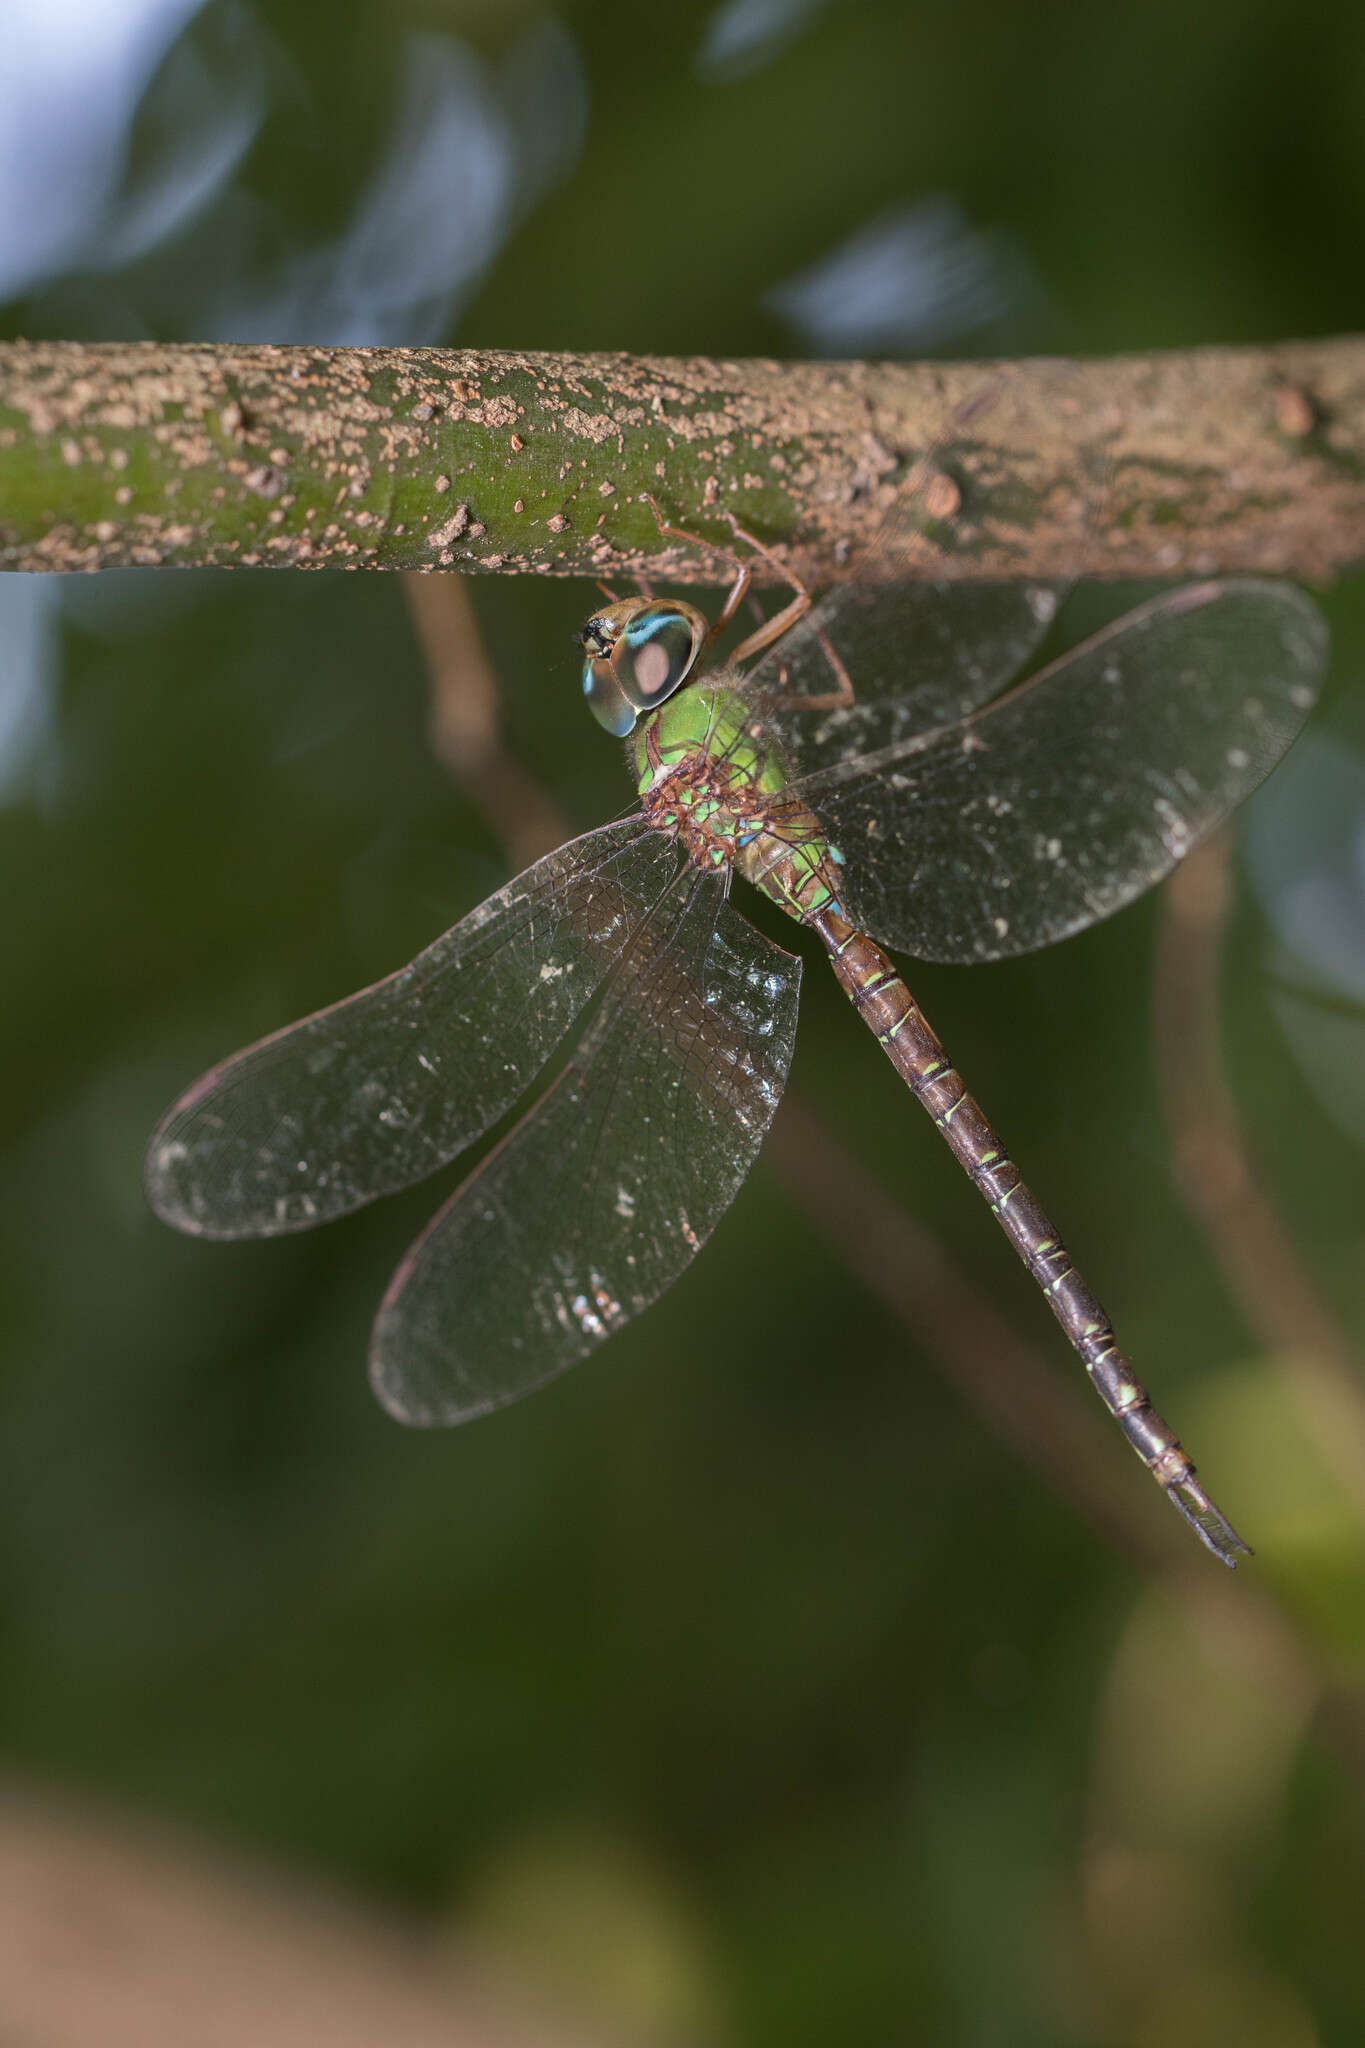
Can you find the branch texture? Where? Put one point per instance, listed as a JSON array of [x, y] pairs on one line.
[[1211, 460]]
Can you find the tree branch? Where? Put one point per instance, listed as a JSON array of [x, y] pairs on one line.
[[1214, 460]]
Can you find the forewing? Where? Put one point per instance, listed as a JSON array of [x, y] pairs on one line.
[[1047, 811], [379, 1090], [919, 656], [602, 1195]]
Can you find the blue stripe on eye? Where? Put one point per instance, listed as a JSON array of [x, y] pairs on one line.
[[642, 629]]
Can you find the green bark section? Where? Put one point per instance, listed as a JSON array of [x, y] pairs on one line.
[[1193, 462]]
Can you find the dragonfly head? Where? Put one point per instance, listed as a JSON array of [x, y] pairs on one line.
[[637, 652]]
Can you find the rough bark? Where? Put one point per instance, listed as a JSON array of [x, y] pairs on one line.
[[1198, 461]]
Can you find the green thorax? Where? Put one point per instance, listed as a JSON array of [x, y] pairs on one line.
[[706, 780], [704, 719]]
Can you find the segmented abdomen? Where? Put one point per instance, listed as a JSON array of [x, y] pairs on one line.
[[887, 1007]]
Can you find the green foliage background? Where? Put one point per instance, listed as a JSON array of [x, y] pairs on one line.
[[740, 1686]]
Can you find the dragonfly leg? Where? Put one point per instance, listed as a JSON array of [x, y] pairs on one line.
[[837, 699], [770, 630], [743, 573], [888, 1009], [828, 700]]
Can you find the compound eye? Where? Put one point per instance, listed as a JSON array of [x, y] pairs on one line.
[[654, 652], [607, 701]]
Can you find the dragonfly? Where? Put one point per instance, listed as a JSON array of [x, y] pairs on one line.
[[859, 761]]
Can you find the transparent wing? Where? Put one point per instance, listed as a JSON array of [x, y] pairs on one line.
[[1050, 809], [920, 656], [601, 1196], [379, 1090]]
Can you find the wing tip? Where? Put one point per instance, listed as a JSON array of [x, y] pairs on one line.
[[394, 1393], [191, 1188], [167, 1187], [1286, 595]]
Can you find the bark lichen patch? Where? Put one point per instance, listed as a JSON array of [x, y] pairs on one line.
[[595, 427], [442, 536], [267, 480]]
